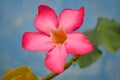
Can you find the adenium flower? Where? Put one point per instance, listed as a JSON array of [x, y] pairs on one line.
[[57, 37]]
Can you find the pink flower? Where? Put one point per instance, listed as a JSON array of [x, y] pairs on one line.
[[57, 37]]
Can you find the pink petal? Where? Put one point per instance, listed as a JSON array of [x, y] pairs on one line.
[[36, 41], [56, 58], [70, 20], [78, 43], [46, 19]]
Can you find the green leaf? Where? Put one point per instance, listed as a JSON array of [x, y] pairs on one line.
[[93, 37], [87, 60], [19, 73], [108, 32]]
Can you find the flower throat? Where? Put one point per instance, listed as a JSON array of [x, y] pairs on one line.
[[58, 36]]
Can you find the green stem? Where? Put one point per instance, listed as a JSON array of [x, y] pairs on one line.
[[67, 65]]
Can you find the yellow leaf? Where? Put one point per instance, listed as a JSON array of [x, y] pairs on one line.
[[20, 73]]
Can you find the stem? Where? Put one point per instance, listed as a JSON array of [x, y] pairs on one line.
[[67, 65]]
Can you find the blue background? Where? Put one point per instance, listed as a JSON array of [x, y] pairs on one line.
[[17, 17]]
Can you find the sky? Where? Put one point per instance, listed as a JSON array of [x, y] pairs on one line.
[[17, 17]]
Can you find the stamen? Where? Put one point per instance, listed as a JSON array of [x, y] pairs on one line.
[[58, 36]]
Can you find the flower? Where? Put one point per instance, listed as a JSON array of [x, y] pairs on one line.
[[57, 37]]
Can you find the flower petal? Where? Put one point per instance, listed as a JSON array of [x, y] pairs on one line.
[[78, 43], [46, 19], [56, 58], [36, 41], [70, 20]]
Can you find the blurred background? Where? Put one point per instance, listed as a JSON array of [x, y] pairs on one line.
[[17, 17]]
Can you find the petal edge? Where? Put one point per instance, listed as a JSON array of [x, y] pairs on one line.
[[56, 58], [71, 20], [36, 42], [78, 43], [46, 19]]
